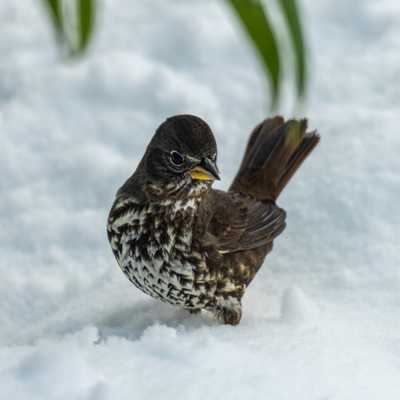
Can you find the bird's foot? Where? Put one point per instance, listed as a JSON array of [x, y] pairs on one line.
[[231, 316], [229, 311], [193, 310]]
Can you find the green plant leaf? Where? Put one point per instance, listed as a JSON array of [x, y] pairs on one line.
[[77, 43], [256, 23], [86, 18], [291, 15], [54, 10]]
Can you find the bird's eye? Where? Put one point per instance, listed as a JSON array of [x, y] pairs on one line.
[[176, 158]]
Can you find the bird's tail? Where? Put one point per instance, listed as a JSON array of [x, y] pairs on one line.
[[273, 154]]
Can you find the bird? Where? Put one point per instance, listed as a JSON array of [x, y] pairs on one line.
[[184, 243]]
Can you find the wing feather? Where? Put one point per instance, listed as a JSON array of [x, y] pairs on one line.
[[240, 222]]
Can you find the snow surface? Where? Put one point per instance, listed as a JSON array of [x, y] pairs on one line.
[[321, 320]]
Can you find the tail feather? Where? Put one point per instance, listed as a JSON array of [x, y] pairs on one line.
[[310, 140], [275, 151], [253, 156]]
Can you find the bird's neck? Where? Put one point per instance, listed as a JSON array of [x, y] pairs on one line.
[[146, 190]]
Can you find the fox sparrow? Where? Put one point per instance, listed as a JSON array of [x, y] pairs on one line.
[[186, 244]]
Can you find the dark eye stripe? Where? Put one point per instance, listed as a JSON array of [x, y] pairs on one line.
[[176, 158]]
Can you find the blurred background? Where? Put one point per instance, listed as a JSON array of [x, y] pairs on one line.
[[76, 113]]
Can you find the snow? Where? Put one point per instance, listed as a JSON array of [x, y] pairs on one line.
[[321, 320]]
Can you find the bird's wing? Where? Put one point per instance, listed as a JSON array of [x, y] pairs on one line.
[[239, 222]]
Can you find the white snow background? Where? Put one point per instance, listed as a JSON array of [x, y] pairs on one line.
[[321, 319]]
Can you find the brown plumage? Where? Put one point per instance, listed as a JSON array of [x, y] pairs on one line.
[[184, 243]]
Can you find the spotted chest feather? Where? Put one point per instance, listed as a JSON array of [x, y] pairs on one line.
[[153, 244]]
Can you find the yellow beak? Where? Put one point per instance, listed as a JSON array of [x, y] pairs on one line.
[[201, 174]]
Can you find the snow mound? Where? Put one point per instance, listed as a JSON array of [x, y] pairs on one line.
[[297, 307]]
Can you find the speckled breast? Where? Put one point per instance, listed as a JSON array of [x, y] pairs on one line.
[[154, 248]]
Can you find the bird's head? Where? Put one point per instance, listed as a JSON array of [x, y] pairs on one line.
[[180, 158]]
